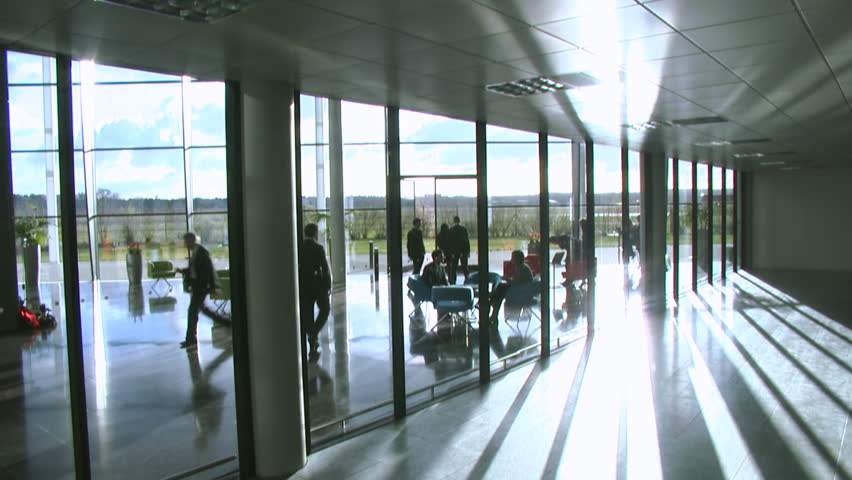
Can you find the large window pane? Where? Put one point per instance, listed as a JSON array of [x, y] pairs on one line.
[[209, 179], [140, 181], [35, 418], [514, 221], [567, 295], [685, 227], [718, 241], [608, 206], [207, 113], [138, 115], [670, 214], [702, 256], [729, 207]]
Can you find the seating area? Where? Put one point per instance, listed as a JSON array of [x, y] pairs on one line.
[[161, 271]]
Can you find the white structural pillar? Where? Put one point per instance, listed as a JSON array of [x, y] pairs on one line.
[[271, 267], [653, 227], [336, 226]]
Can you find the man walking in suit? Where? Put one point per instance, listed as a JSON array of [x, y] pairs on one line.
[[314, 288], [200, 278]]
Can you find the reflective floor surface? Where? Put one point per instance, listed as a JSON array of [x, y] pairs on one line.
[[744, 380], [749, 379]]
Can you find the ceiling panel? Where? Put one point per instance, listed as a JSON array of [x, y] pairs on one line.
[[557, 63], [438, 59], [371, 42], [776, 53], [689, 14], [449, 21], [484, 74], [695, 80], [513, 45], [674, 66], [777, 28], [611, 25], [652, 48], [544, 11], [294, 21]]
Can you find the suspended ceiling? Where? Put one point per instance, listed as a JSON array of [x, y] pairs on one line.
[[778, 73]]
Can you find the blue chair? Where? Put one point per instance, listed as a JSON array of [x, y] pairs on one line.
[[418, 290], [452, 302], [494, 279], [522, 298]]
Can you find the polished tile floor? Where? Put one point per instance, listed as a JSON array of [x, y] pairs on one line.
[[748, 379]]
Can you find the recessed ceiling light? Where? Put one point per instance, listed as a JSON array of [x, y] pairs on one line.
[[682, 122], [746, 141], [749, 155], [649, 125], [527, 86], [200, 11], [712, 143]]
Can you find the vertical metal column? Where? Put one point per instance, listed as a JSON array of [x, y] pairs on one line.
[[394, 222], [589, 246], [482, 251], [544, 252], [626, 232], [736, 222], [336, 226], [8, 263], [694, 226], [724, 223], [709, 224], [236, 255], [675, 228], [297, 140], [71, 281]]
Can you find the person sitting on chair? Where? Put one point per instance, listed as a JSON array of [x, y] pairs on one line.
[[522, 275], [434, 273]]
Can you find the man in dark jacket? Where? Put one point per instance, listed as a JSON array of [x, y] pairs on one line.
[[416, 249], [459, 250], [200, 279], [314, 287]]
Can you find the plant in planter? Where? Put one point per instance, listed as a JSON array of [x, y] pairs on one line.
[[534, 243], [133, 257], [31, 231]]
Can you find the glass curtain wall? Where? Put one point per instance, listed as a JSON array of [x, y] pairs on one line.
[[684, 192], [630, 238], [36, 419], [352, 379], [702, 255], [718, 206], [153, 154], [567, 321], [513, 226], [671, 192], [729, 219], [438, 184], [608, 214]]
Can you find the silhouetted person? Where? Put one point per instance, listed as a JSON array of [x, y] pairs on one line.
[[314, 288], [199, 279], [459, 248], [522, 275], [442, 240], [434, 273], [416, 249]]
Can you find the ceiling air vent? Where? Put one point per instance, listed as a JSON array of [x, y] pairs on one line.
[[199, 11], [527, 86], [685, 122]]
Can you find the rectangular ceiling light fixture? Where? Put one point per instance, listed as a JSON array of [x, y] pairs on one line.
[[649, 125], [685, 122], [199, 11], [712, 143], [749, 155], [746, 141], [527, 86]]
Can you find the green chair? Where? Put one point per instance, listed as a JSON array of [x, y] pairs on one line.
[[161, 271], [222, 298]]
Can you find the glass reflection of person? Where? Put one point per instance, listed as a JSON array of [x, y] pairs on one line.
[[206, 398], [442, 239]]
